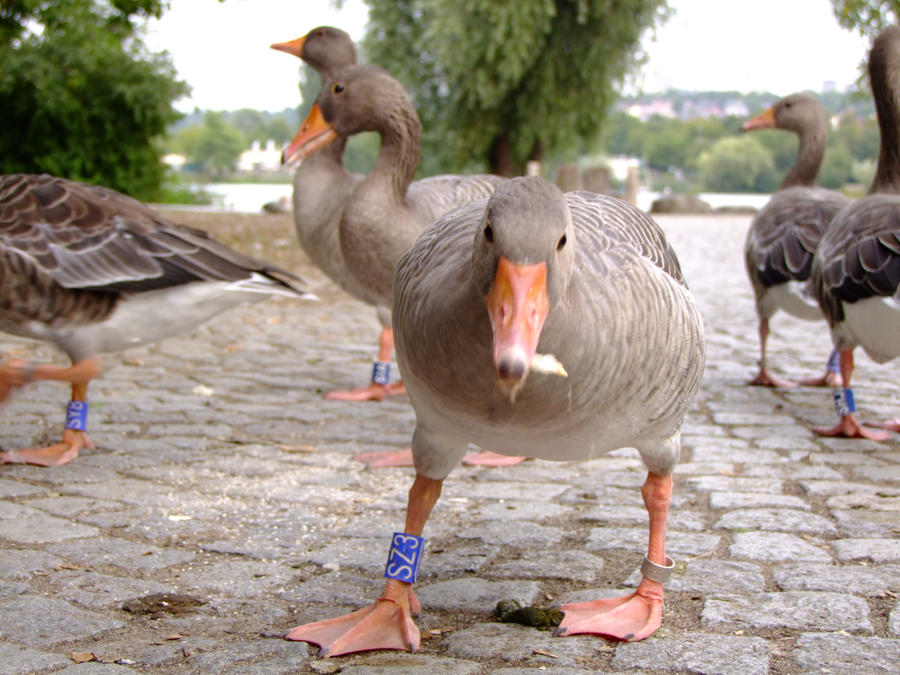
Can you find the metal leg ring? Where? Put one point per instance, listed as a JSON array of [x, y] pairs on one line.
[[661, 573]]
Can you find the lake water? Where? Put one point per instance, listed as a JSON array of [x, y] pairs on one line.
[[250, 197], [247, 197]]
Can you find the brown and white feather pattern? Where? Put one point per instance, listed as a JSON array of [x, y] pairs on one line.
[[627, 331], [72, 252], [856, 272], [859, 257], [784, 235]]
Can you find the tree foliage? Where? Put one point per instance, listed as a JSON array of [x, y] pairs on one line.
[[737, 163], [80, 94], [867, 17], [504, 81]]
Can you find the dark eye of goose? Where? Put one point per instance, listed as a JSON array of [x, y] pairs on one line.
[[489, 232], [338, 88], [562, 242]]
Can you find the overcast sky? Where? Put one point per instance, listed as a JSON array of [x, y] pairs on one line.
[[221, 49]]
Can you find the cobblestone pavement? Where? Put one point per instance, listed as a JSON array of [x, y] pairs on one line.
[[223, 480]]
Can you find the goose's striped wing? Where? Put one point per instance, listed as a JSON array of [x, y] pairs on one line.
[[89, 237]]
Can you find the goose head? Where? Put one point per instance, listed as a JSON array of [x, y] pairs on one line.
[[797, 113], [355, 99], [326, 49], [524, 254]]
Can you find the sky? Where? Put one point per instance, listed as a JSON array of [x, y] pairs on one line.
[[221, 49]]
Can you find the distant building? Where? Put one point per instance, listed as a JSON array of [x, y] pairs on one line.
[[174, 160], [258, 159], [644, 111]]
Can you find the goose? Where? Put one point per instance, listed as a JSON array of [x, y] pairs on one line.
[[585, 279], [92, 271], [856, 269], [322, 185], [783, 236], [387, 210]]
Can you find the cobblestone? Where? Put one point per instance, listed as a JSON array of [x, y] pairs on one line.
[[243, 509]]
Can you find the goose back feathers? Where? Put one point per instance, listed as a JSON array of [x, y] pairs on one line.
[[73, 253]]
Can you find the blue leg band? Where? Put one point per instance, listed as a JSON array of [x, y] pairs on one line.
[[843, 402], [834, 361], [381, 372], [403, 560], [76, 415]]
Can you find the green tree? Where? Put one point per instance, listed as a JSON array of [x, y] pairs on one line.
[[837, 168], [499, 83], [80, 95], [737, 164], [218, 145], [867, 17]]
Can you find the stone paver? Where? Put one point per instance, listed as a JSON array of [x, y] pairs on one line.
[[211, 519]]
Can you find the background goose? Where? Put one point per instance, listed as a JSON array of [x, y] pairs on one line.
[[783, 237], [387, 210], [92, 271], [322, 186], [856, 271], [586, 278]]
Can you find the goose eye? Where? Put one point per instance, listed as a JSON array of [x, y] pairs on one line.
[[338, 88], [489, 232], [562, 242]]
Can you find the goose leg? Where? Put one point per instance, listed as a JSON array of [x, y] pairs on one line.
[[72, 442], [849, 426], [765, 377], [636, 616], [387, 623], [375, 391]]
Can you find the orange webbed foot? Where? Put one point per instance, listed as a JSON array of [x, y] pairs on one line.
[[889, 425], [766, 378], [382, 458], [628, 618], [487, 458], [849, 427], [829, 379], [374, 392], [386, 624], [53, 455]]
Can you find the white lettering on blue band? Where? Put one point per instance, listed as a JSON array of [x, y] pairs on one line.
[[403, 560], [843, 402], [381, 372], [76, 415]]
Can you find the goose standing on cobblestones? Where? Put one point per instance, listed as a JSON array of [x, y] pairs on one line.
[[322, 186], [856, 272], [93, 271], [783, 237], [592, 283], [387, 210]]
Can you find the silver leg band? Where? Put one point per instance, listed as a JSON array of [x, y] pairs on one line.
[[661, 573]]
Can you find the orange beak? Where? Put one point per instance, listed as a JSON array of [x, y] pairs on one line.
[[315, 133], [294, 47], [765, 120], [517, 306]]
